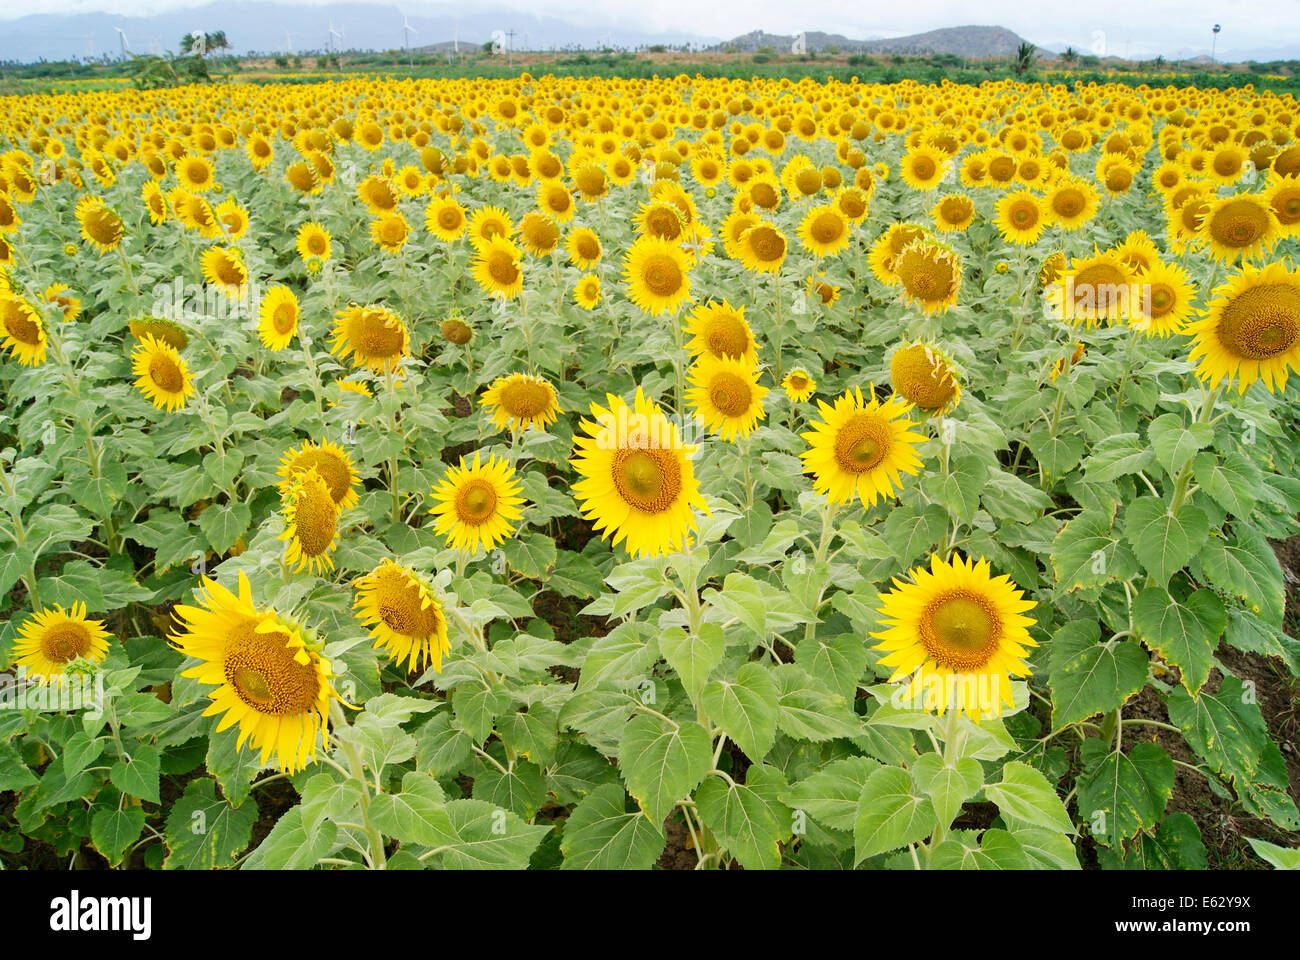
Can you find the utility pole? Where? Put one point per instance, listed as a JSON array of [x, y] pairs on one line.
[[510, 50], [1214, 42]]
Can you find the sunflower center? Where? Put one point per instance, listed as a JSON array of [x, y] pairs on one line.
[[827, 228], [1105, 284], [1239, 224], [316, 244], [649, 480], [662, 275], [104, 227], [727, 336], [330, 467], [798, 381], [164, 372], [502, 268], [923, 168], [954, 210], [315, 518], [65, 643], [1287, 207], [21, 328], [960, 631], [402, 611], [730, 394], [377, 338], [525, 399], [587, 248], [261, 669], [767, 244], [925, 277], [476, 502], [284, 318], [1262, 322], [1068, 202], [1024, 215], [664, 222], [1162, 300], [862, 443]]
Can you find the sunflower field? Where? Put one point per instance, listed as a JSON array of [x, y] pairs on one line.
[[680, 472]]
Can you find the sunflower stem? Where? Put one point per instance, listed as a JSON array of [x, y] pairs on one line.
[[378, 858]]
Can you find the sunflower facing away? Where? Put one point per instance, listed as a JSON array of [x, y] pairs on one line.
[[954, 624], [925, 377], [374, 336], [330, 461], [929, 275], [799, 385], [477, 505], [161, 374], [268, 678], [48, 641], [726, 395], [278, 318], [1251, 330], [403, 616], [638, 484], [521, 401], [861, 448], [311, 522]]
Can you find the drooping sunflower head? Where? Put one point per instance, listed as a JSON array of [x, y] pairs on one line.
[[278, 318], [799, 385], [655, 271], [521, 401], [331, 462], [477, 506], [638, 483], [372, 335], [726, 395], [101, 227], [50, 640], [860, 448], [455, 330], [1251, 330], [959, 633], [403, 615], [311, 520], [925, 378], [166, 331], [23, 329], [161, 374], [721, 331], [929, 275]]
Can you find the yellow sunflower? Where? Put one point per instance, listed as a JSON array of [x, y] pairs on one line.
[[923, 168], [24, 330], [885, 251], [161, 374], [824, 231], [799, 385], [1240, 226], [961, 635], [444, 218], [861, 448], [1251, 330], [520, 402], [313, 242], [584, 248], [720, 330], [223, 268], [330, 461], [101, 227], [490, 223], [586, 292], [638, 483], [59, 296], [655, 271], [726, 395], [925, 377], [1020, 218], [278, 318], [48, 641], [1165, 303], [1093, 289], [403, 616], [953, 212], [477, 506], [390, 232], [1284, 197], [763, 248], [929, 275], [497, 269], [1070, 203], [374, 336], [311, 520]]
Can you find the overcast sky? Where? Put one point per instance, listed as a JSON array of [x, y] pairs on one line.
[[1127, 25]]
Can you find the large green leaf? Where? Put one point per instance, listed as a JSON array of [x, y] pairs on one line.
[[1184, 627], [662, 762], [1088, 677], [1164, 541]]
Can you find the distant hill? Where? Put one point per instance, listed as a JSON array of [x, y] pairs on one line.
[[971, 42]]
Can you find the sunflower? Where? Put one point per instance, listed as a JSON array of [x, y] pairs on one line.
[[233, 218], [456, 330], [48, 641], [733, 230], [155, 201], [763, 248], [825, 291], [1071, 203], [313, 242], [1166, 301], [59, 296], [925, 377], [223, 267], [923, 168], [726, 395], [539, 233], [380, 195], [164, 331], [161, 374], [277, 318], [929, 274], [1251, 329], [520, 402], [1284, 197], [861, 448], [100, 227], [311, 521], [799, 385], [477, 505], [952, 627], [302, 176], [1242, 226], [330, 461], [1020, 218], [489, 223], [583, 247], [403, 615], [390, 232], [444, 218], [497, 269], [655, 271], [889, 245], [373, 335], [586, 292], [954, 211], [720, 330], [1093, 289], [268, 677], [24, 330], [824, 231], [638, 483], [1139, 252]]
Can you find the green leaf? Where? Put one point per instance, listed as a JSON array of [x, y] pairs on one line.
[[959, 490], [1184, 628], [203, 831], [476, 707], [911, 534], [947, 786], [415, 814], [601, 834], [1088, 677], [80, 751], [1057, 455], [100, 494], [693, 656], [224, 523], [481, 836], [1174, 444], [742, 820], [1224, 727], [293, 844], [223, 465], [1088, 553], [1246, 567], [745, 708], [233, 768], [139, 776], [890, 814], [442, 748], [1025, 794], [1231, 482], [521, 788], [1280, 858], [1120, 794], [113, 830], [1164, 541], [1115, 457], [830, 796], [996, 850], [532, 555], [837, 661], [662, 762]]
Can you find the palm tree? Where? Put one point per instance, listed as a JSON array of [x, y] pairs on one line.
[[1070, 56], [1024, 58]]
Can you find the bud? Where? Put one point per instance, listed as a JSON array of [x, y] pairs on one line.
[[456, 330]]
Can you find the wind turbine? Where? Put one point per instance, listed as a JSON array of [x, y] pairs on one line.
[[90, 44], [288, 42], [121, 36], [407, 30], [334, 34]]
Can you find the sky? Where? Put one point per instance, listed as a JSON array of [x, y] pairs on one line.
[[1125, 28]]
